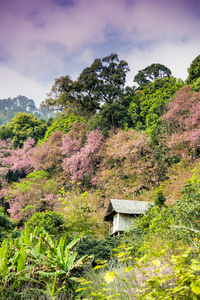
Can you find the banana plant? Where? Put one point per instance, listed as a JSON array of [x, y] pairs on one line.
[[36, 258]]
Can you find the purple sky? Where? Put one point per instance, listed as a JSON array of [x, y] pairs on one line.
[[41, 40]]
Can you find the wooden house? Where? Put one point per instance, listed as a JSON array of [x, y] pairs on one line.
[[121, 214]]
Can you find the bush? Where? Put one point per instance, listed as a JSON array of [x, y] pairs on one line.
[[63, 124], [101, 249], [51, 221], [8, 228]]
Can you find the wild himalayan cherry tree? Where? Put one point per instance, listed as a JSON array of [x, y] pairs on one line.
[[19, 160], [128, 165], [35, 193], [184, 111], [47, 156], [5, 151], [82, 157], [23, 204]]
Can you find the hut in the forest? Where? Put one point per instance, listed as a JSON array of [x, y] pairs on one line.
[[121, 214]]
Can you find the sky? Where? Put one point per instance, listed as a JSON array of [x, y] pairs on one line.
[[41, 40]]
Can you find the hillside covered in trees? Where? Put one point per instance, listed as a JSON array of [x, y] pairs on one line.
[[106, 141]]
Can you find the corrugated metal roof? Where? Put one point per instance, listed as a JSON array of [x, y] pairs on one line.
[[126, 207]]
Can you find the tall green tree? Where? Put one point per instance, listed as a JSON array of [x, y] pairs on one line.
[[5, 132], [150, 73], [102, 82], [114, 114], [150, 103], [62, 94], [24, 126], [194, 70]]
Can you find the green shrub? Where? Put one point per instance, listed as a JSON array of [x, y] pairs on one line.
[[63, 124], [8, 228], [160, 198], [51, 221], [100, 248]]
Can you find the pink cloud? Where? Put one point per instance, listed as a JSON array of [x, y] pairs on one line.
[[38, 37], [42, 22]]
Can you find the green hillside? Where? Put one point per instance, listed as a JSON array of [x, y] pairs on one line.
[[106, 141]]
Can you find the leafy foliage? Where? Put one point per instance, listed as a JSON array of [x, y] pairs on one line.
[[35, 258], [7, 227], [187, 209], [101, 249], [52, 222], [128, 165], [165, 271], [62, 124], [5, 151], [76, 165], [24, 126], [30, 195], [10, 107], [102, 82], [18, 162], [113, 114], [150, 103], [150, 73], [5, 132], [79, 211], [160, 198], [178, 222], [164, 155], [47, 156], [194, 70], [181, 283]]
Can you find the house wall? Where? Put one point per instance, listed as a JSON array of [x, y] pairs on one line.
[[125, 221], [116, 223], [122, 222]]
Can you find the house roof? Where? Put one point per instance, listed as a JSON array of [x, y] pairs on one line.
[[125, 207]]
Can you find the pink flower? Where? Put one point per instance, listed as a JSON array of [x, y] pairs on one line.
[[81, 161]]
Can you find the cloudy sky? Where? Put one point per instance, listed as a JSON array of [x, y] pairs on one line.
[[41, 40]]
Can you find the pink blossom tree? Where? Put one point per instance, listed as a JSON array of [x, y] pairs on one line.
[[19, 160], [47, 156], [35, 193], [128, 165], [5, 151], [81, 158], [24, 205], [184, 111]]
